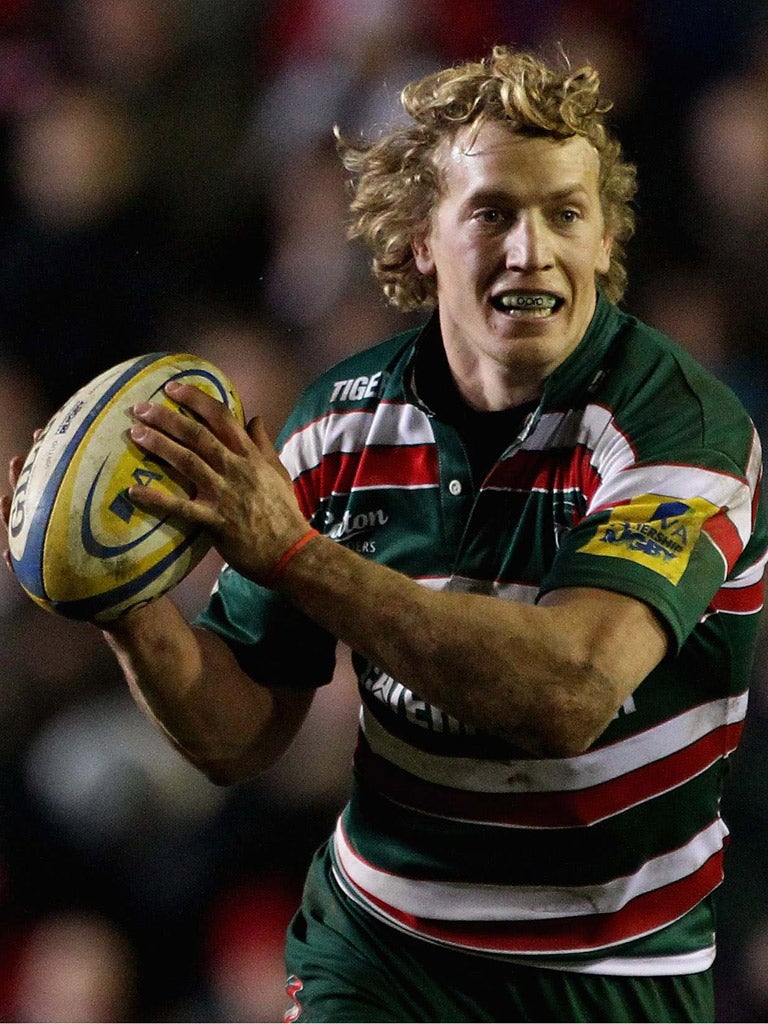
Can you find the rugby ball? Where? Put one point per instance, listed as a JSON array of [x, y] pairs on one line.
[[78, 545]]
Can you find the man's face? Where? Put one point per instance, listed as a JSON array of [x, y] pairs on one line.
[[515, 242]]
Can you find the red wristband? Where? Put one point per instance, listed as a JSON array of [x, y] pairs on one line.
[[277, 569]]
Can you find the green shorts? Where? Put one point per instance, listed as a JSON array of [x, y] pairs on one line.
[[345, 966]]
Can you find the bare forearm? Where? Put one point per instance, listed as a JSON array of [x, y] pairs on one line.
[[446, 647], [492, 664], [189, 683]]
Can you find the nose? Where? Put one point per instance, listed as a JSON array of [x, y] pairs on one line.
[[528, 245]]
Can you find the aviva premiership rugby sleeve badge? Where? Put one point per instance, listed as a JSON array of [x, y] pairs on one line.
[[655, 531]]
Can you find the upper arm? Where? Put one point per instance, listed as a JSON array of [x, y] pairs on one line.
[[617, 639], [262, 721], [623, 636]]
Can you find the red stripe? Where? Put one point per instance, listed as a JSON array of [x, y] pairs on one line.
[[642, 915], [305, 496], [725, 536], [381, 466], [741, 600], [565, 469], [560, 809]]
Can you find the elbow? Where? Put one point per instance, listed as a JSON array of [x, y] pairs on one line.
[[565, 742], [575, 713], [556, 741], [220, 773], [224, 775], [229, 771], [229, 755]]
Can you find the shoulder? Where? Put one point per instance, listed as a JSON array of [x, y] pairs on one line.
[[657, 390]]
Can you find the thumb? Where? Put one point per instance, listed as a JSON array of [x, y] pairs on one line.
[[258, 434]]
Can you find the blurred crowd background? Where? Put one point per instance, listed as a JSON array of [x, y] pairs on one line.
[[168, 181]]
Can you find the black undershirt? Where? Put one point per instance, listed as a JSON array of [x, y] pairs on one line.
[[484, 435]]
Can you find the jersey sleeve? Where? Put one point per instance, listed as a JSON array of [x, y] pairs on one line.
[[272, 641], [677, 534]]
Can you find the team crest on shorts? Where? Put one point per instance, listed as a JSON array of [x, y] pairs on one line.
[[293, 986], [655, 531]]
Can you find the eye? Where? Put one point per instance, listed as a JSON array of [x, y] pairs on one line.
[[569, 215], [489, 215]]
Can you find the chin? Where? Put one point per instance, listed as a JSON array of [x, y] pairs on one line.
[[533, 351]]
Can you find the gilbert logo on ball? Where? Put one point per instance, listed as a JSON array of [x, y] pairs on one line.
[[78, 544]]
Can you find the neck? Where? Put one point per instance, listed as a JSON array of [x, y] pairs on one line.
[[491, 389]]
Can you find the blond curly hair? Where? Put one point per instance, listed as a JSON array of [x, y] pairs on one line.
[[396, 180]]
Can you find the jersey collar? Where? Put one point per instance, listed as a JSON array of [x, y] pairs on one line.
[[584, 366]]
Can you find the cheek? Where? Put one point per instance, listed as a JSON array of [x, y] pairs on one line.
[[478, 262], [464, 276], [461, 265]]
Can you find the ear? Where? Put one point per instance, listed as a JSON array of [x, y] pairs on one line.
[[604, 256], [422, 254]]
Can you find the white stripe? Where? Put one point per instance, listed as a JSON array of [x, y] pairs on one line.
[[755, 463], [634, 966], [566, 774], [753, 574], [434, 582], [647, 966], [395, 424], [390, 424], [386, 487], [593, 428], [729, 611], [471, 901]]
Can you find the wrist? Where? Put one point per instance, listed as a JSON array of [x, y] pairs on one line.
[[274, 575]]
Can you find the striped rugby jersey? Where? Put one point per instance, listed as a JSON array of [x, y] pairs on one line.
[[638, 472]]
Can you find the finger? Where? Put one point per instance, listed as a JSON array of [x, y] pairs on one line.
[[5, 512], [188, 431], [14, 469], [214, 413], [258, 433], [163, 505], [184, 460]]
